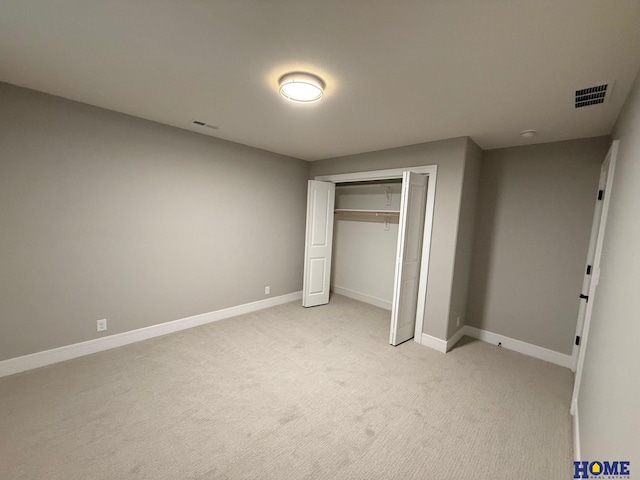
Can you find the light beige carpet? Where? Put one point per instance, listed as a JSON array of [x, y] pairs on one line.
[[289, 393]]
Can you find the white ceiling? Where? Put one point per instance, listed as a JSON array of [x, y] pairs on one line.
[[397, 72]]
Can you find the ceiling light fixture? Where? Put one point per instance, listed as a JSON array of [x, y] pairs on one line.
[[528, 133], [301, 87]]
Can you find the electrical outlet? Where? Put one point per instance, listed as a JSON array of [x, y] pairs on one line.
[[458, 322], [267, 290], [101, 324]]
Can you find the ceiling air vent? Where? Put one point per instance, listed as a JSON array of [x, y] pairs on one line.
[[204, 124], [591, 96]]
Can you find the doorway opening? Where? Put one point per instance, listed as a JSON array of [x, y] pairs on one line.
[[403, 204]]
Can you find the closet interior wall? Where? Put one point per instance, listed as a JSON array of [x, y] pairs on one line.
[[365, 245]]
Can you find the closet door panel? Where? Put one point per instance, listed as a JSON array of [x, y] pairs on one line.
[[405, 295], [318, 243], [316, 275]]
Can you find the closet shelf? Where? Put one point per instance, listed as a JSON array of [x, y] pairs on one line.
[[375, 213]]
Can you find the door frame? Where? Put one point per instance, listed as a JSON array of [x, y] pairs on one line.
[[431, 171]]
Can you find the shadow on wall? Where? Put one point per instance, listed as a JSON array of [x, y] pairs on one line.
[[533, 219], [484, 243]]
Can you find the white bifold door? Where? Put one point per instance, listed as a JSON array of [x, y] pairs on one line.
[[410, 232], [319, 239]]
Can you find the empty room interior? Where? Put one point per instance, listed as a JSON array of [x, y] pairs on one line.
[[319, 240]]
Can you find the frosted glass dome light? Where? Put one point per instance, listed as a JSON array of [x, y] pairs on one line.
[[301, 87]]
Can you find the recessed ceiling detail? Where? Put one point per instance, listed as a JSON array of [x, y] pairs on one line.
[[591, 96]]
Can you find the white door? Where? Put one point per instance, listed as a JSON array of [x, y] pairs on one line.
[[592, 270], [591, 253], [410, 233], [318, 243]]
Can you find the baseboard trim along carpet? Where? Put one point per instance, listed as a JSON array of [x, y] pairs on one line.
[[68, 352], [434, 342], [441, 345], [519, 346], [455, 338], [363, 297]]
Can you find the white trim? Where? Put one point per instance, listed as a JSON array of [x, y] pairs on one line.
[[363, 297], [442, 345], [432, 172], [455, 338], [68, 352], [433, 342], [372, 175], [521, 347], [577, 455], [426, 249]]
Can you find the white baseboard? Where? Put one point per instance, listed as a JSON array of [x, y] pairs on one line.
[[577, 456], [363, 297], [521, 347], [68, 352], [455, 338], [434, 342], [439, 344]]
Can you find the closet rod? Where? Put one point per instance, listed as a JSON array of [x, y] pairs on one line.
[[378, 213]]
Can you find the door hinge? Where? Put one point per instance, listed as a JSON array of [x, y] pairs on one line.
[[577, 340], [600, 194], [588, 269], [586, 297]]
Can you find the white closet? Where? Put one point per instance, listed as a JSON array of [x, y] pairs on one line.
[[385, 220]]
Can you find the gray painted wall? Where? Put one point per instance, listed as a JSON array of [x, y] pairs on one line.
[[610, 392], [104, 215], [535, 209], [450, 156], [464, 241]]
